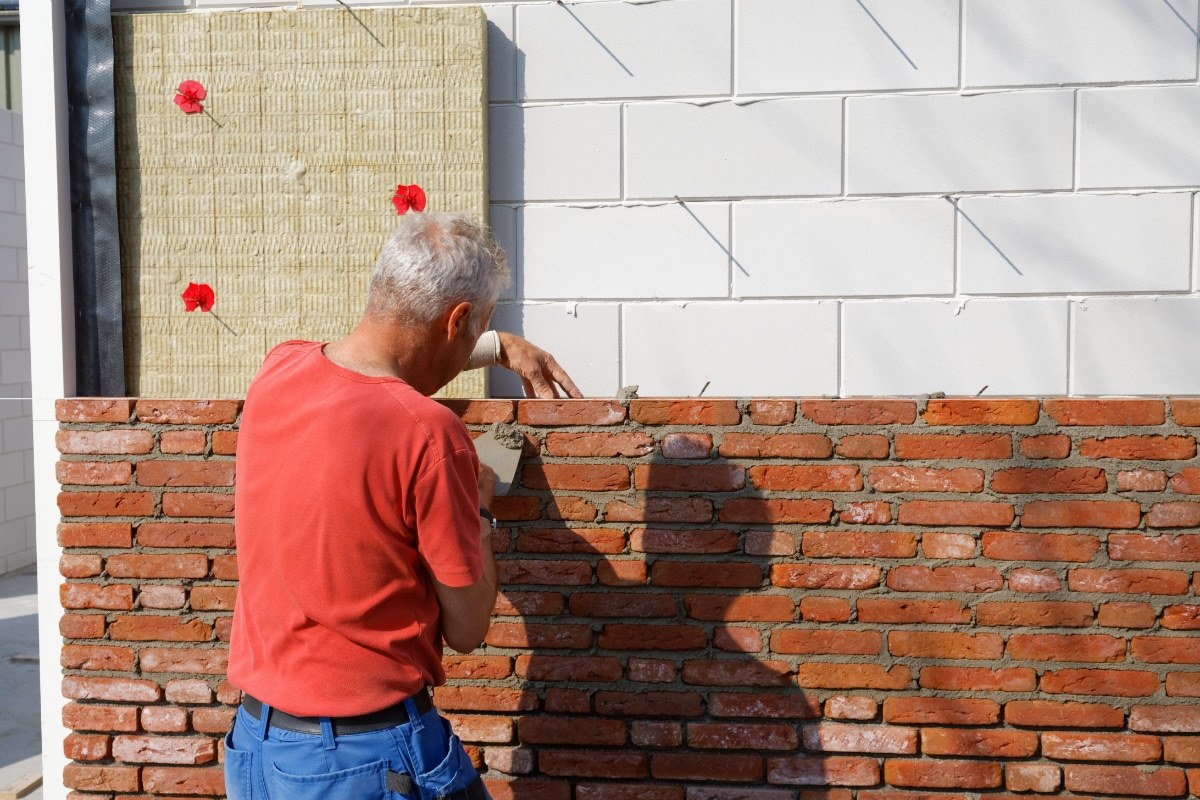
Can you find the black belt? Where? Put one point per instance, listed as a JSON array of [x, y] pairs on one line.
[[363, 723]]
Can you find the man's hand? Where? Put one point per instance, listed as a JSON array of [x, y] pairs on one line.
[[540, 373]]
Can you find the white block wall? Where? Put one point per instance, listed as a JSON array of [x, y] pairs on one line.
[[845, 196], [16, 430]]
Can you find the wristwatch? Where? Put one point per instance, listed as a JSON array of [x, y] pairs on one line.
[[489, 516]]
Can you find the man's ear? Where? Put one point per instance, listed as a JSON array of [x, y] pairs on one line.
[[458, 320]]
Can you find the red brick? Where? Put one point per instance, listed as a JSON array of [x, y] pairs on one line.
[[846, 738], [742, 736], [1078, 746], [943, 774], [571, 730], [189, 691], [224, 443], [1181, 750], [1128, 581], [120, 690], [1114, 412], [649, 704], [95, 717], [533, 604], [185, 534], [979, 679], [613, 572], [687, 445], [824, 609], [691, 478], [1081, 514], [570, 412], [871, 512], [705, 672], [982, 446], [644, 733], [1101, 682], [1186, 411], [1065, 480], [118, 441], [755, 510], [1069, 647], [1054, 714], [591, 763], [1047, 614], [185, 473], [93, 473], [824, 642], [225, 568], [737, 639], [191, 442], [188, 412], [213, 598], [979, 411], [944, 579], [480, 728], [905, 611], [512, 508], [105, 504], [763, 705], [556, 572], [484, 698], [651, 670], [940, 711], [81, 626], [1165, 719], [144, 628], [952, 512], [535, 634], [629, 444], [660, 509], [587, 477], [112, 597], [1033, 580], [183, 780], [1165, 650], [860, 412], [1142, 480], [823, 771], [1174, 515], [845, 478], [674, 540], [602, 669], [609, 604], [853, 676], [106, 409], [652, 637], [1014, 546], [1140, 448], [77, 565], [627, 791], [925, 479], [739, 608], [570, 540], [1130, 615], [215, 720], [528, 789], [164, 750], [684, 412], [741, 793], [197, 504], [477, 667], [947, 545], [96, 657], [1047, 445], [942, 644], [775, 445], [139, 565], [825, 576], [858, 544], [95, 534], [982, 743], [868, 445], [98, 778], [481, 412], [569, 508], [1161, 782], [709, 575], [842, 706], [1162, 547], [707, 767], [772, 412]]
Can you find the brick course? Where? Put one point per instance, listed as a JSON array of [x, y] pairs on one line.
[[708, 599]]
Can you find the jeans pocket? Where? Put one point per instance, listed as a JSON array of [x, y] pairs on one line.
[[368, 782], [453, 773], [239, 771]]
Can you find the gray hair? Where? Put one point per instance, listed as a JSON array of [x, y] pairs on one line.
[[432, 261]]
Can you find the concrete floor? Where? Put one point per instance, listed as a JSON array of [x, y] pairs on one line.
[[20, 728]]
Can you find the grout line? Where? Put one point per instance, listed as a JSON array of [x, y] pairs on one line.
[[962, 40], [1194, 266], [733, 76], [845, 139], [1077, 119], [621, 133], [956, 261], [841, 349], [621, 344], [1070, 346]]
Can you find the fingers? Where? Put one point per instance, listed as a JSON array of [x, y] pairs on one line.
[[564, 380]]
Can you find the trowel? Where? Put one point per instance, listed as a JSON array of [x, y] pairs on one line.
[[500, 449]]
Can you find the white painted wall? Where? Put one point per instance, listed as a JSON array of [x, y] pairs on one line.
[[878, 196], [16, 390]]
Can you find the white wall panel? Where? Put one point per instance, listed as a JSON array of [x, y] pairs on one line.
[[1135, 137], [582, 336], [1136, 346], [567, 152]]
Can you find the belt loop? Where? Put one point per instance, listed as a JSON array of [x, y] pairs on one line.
[[264, 722], [414, 716], [327, 734]]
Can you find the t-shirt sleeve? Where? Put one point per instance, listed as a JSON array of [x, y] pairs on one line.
[[446, 507]]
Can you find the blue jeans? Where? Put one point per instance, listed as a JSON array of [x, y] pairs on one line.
[[418, 760]]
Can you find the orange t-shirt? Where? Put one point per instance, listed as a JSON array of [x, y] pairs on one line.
[[353, 494]]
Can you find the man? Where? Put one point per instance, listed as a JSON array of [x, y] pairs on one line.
[[364, 534]]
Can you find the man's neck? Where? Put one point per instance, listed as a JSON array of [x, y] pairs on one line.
[[382, 350]]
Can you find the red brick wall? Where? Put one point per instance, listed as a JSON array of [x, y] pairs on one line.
[[710, 600]]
